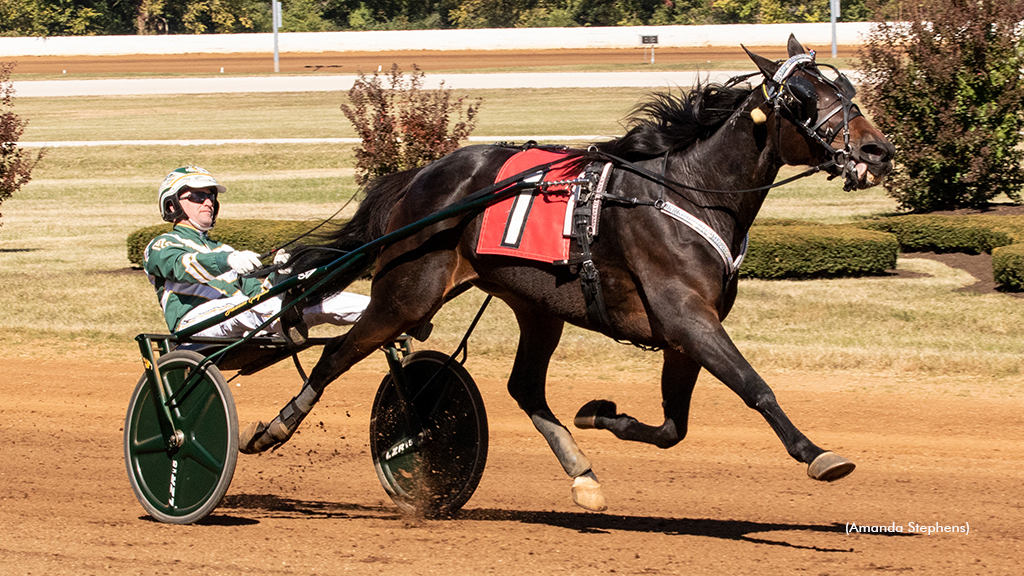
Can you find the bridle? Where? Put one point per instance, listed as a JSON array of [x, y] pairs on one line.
[[790, 95], [783, 92]]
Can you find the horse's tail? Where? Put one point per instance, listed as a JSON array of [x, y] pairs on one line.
[[369, 223]]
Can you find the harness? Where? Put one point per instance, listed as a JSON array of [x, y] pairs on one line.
[[585, 224], [588, 193], [779, 95]]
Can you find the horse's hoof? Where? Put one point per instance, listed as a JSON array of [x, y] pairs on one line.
[[829, 467], [588, 414], [587, 494], [247, 439], [255, 439]]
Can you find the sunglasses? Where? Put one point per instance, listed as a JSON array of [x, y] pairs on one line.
[[199, 196]]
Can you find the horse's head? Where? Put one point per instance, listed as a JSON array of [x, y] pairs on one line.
[[811, 107]]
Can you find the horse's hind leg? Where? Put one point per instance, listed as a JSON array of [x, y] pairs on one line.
[[380, 324], [338, 356], [538, 338], [678, 377]]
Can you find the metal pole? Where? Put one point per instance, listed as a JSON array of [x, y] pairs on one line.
[[834, 9], [275, 16]]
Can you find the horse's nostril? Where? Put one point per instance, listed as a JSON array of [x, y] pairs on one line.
[[876, 152]]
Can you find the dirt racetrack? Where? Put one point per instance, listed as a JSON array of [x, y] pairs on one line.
[[933, 454], [354, 62], [728, 500]]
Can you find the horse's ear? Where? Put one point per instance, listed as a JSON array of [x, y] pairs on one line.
[[794, 47], [766, 66]]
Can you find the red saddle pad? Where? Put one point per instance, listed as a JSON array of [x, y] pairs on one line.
[[532, 225]]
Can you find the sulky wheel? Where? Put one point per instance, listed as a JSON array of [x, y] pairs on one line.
[[430, 472], [180, 481]]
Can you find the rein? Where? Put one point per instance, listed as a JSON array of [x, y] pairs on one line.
[[773, 95], [672, 184]]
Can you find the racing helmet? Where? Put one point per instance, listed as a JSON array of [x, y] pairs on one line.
[[184, 177]]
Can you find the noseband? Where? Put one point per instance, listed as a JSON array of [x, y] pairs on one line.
[[781, 95]]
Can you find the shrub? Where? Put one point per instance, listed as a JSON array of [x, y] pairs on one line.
[[789, 251], [257, 235], [403, 126], [817, 251], [938, 233], [15, 164], [945, 85], [1008, 266]]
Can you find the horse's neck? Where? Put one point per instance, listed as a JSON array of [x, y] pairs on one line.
[[734, 158]]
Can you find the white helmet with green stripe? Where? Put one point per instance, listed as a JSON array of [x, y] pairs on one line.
[[184, 177]]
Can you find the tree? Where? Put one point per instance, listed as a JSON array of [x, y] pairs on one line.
[[15, 164], [148, 17], [489, 13], [49, 17], [303, 16], [403, 126], [946, 87]]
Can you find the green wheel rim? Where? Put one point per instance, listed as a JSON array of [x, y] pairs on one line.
[[182, 485], [438, 476]]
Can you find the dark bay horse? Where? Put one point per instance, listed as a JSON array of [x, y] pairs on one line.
[[711, 153]]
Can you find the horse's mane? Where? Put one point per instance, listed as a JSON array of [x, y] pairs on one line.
[[666, 121]]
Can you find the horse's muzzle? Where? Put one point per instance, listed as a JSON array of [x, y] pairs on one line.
[[870, 161]]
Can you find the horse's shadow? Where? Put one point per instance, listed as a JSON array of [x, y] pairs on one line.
[[271, 506], [737, 530]]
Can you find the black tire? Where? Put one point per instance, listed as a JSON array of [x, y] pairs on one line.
[[182, 485], [439, 475]]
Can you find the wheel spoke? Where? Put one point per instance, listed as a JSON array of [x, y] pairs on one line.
[[152, 445], [198, 414], [198, 453]]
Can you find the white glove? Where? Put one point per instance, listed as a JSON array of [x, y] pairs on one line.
[[281, 257], [244, 261]]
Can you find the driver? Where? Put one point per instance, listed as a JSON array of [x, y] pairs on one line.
[[196, 277]]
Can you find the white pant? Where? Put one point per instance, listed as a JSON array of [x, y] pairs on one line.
[[340, 309]]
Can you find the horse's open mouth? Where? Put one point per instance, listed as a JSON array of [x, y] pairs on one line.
[[873, 175], [865, 175], [873, 160]]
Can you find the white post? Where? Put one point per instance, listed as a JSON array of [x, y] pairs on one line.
[[834, 5], [275, 16], [648, 40]]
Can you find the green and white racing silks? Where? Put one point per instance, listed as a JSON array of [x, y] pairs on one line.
[[187, 269]]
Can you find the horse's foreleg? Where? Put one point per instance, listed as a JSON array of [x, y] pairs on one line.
[[707, 342], [678, 377], [538, 338]]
